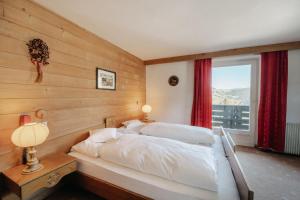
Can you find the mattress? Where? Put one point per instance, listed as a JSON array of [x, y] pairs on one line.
[[160, 188]]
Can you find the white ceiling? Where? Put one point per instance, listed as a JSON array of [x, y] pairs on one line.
[[161, 28]]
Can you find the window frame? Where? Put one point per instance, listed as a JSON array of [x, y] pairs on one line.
[[254, 77]]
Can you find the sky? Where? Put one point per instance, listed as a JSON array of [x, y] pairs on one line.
[[231, 77]]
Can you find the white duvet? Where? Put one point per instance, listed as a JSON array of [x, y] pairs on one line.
[[193, 165]]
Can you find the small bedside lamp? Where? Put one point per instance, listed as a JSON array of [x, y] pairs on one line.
[[146, 109], [30, 135]]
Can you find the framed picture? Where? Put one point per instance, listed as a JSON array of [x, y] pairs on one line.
[[105, 79]]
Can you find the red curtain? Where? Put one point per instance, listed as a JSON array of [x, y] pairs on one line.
[[202, 104], [273, 97]]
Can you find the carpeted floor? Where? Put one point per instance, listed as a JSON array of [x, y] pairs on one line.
[[272, 176]]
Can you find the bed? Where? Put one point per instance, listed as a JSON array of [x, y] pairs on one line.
[[113, 181]]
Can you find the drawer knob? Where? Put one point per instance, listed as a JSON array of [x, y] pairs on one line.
[[53, 179]]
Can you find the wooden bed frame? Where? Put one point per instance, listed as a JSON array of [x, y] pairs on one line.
[[105, 189], [112, 192], [230, 147]]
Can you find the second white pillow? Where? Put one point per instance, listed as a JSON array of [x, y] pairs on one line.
[[132, 123], [184, 133]]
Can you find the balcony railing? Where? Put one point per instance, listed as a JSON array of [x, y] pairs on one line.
[[231, 116]]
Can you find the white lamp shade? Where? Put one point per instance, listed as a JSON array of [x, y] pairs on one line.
[[146, 108], [30, 134]]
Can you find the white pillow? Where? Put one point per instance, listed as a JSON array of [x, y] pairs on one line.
[[123, 130], [132, 123], [184, 133], [103, 135], [87, 148], [93, 131]]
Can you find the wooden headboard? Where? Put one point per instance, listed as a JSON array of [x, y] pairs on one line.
[[68, 142], [110, 122]]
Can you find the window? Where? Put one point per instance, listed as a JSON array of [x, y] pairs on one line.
[[231, 96]]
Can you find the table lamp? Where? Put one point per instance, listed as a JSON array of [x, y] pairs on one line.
[[146, 109], [30, 135]]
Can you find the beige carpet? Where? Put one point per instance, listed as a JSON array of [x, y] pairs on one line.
[[271, 176]]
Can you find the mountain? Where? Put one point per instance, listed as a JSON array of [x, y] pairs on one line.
[[236, 96]]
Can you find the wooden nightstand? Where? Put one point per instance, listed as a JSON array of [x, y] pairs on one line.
[[55, 167]]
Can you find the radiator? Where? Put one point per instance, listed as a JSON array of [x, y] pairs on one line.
[[292, 139]]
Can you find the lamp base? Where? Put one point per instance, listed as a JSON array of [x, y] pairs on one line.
[[32, 168], [146, 117], [33, 164]]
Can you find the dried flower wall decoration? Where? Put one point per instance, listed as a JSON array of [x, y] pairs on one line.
[[39, 54]]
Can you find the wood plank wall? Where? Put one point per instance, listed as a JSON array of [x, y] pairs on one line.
[[68, 91]]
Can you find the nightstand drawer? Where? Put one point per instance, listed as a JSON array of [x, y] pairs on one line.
[[48, 180]]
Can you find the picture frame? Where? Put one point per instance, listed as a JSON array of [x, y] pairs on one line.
[[105, 79]]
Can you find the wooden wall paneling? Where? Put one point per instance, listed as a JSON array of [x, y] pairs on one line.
[[28, 77], [10, 106], [11, 159], [11, 121], [5, 143], [55, 20], [68, 90], [60, 123], [54, 55], [13, 30], [37, 24], [10, 45], [62, 58], [1, 9], [17, 91], [130, 59], [26, 20], [22, 63], [10, 60], [58, 129], [5, 30]]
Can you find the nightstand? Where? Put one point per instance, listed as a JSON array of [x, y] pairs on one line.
[[55, 167]]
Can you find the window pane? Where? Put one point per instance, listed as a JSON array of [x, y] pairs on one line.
[[231, 96]]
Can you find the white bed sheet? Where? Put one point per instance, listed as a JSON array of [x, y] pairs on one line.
[[156, 187]]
